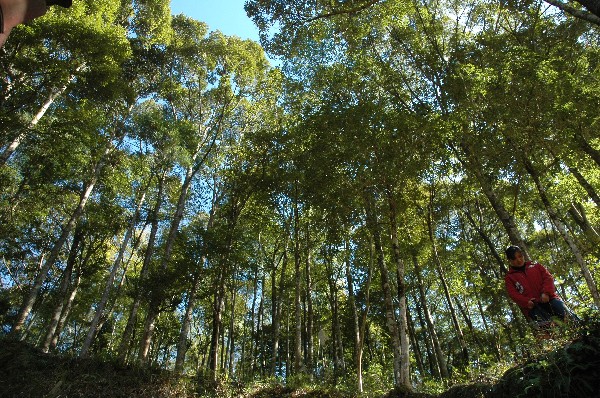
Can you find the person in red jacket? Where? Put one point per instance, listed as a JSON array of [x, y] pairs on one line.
[[531, 286], [15, 12]]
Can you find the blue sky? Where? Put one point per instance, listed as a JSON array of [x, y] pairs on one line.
[[228, 16]]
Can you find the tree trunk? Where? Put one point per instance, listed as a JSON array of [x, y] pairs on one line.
[[63, 290], [358, 326], [157, 296], [109, 307], [276, 294], [186, 322], [577, 212], [196, 164], [415, 344], [54, 94], [400, 269], [439, 354], [586, 185], [231, 340], [464, 311], [225, 271], [473, 166], [373, 225], [587, 147], [70, 299], [254, 320], [561, 228], [488, 242], [217, 322], [298, 365], [131, 320], [365, 312], [192, 297], [489, 331], [441, 275], [432, 361], [578, 176], [309, 307], [109, 286], [260, 328], [55, 251], [338, 350]]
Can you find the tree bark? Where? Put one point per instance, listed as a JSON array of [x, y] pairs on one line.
[[587, 147], [110, 280], [373, 226], [187, 321], [217, 322], [276, 297], [400, 269], [192, 297], [196, 163], [464, 311], [577, 212], [473, 166], [260, 328], [365, 312], [592, 14], [439, 354], [231, 339], [309, 306], [415, 344], [54, 94], [157, 296], [65, 312], [254, 320], [55, 251], [131, 320], [488, 242], [489, 331], [338, 350], [298, 365], [440, 271], [355, 320], [586, 185], [70, 299], [63, 290], [562, 230], [434, 368]]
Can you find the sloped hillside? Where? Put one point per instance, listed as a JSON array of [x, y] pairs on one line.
[[27, 372], [571, 371]]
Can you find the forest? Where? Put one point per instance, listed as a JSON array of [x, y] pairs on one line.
[[327, 207]]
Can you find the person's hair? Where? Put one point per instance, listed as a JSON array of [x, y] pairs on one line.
[[511, 252]]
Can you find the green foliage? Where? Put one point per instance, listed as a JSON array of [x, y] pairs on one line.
[[426, 117]]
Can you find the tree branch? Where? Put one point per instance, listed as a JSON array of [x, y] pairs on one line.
[[341, 11], [586, 16]]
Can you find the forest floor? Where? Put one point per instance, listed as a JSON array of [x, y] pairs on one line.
[[572, 370]]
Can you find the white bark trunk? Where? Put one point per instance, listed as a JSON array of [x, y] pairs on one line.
[[54, 94], [54, 253], [109, 285]]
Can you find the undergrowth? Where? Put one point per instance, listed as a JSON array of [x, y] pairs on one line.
[[566, 367]]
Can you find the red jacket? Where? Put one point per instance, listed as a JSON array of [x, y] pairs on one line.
[[529, 282]]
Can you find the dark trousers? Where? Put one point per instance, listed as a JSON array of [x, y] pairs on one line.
[[544, 312]]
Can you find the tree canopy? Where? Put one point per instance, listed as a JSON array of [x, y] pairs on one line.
[[170, 198]]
